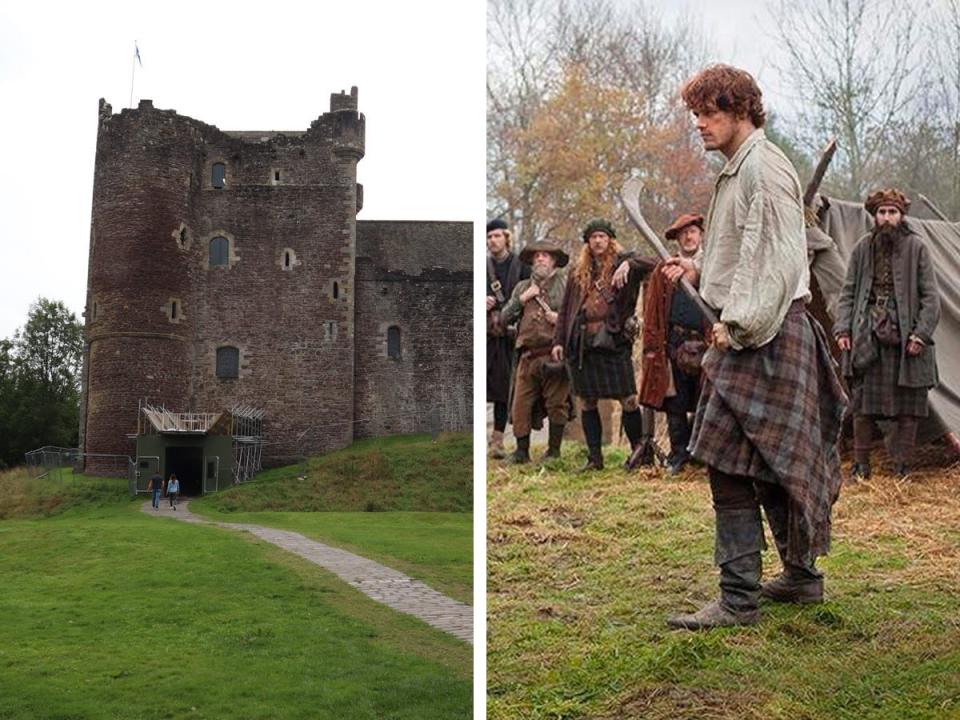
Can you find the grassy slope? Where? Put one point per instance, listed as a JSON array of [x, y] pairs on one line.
[[583, 570], [404, 472], [23, 496], [112, 613]]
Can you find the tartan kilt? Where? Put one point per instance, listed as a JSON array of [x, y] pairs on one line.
[[775, 414], [499, 367], [605, 374], [875, 391]]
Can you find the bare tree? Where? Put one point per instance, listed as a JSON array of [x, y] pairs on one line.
[[856, 66], [945, 30]]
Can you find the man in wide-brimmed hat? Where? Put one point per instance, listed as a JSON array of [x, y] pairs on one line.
[[886, 315], [675, 336], [504, 271], [771, 406], [537, 379], [596, 328]]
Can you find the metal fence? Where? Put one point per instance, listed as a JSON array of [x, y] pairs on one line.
[[52, 462]]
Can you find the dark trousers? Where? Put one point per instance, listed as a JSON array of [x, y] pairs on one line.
[[499, 416], [677, 409]]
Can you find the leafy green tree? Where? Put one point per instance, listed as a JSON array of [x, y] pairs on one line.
[[39, 382]]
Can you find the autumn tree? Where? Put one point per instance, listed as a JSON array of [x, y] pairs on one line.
[[580, 97], [584, 142]]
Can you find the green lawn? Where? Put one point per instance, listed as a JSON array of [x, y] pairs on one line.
[[584, 569], [435, 547], [110, 613], [106, 612]]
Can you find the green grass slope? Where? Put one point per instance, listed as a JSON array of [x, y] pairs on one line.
[[24, 496], [403, 472]]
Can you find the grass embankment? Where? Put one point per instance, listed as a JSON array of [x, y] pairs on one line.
[[402, 474], [112, 613], [25, 496], [584, 569]]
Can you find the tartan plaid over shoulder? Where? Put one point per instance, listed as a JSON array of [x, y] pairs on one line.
[[775, 414]]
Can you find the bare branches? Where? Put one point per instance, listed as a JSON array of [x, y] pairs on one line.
[[856, 65]]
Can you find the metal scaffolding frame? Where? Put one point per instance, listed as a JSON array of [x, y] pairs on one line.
[[246, 428]]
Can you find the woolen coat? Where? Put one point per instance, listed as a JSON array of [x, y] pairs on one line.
[[657, 299], [918, 306]]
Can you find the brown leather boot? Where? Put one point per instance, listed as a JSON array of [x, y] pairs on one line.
[[797, 583], [738, 545], [788, 587], [556, 439], [713, 615], [594, 461]]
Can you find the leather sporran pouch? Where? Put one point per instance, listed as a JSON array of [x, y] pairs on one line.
[[883, 322], [603, 339], [689, 355], [552, 369]]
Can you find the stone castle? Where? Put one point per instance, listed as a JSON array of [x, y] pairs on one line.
[[229, 269]]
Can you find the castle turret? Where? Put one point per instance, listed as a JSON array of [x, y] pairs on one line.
[[138, 313]]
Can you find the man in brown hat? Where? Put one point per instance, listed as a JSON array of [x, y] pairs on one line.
[[675, 336], [771, 407], [886, 315], [595, 333], [504, 271], [537, 378]]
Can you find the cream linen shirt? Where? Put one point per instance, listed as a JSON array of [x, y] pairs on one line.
[[755, 250]]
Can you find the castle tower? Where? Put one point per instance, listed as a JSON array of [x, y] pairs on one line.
[[136, 345], [222, 273]]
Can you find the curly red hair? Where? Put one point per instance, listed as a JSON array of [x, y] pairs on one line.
[[725, 88]]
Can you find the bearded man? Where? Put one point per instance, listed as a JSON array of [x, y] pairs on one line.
[[537, 378], [504, 271], [595, 333], [886, 315], [771, 407], [675, 336]]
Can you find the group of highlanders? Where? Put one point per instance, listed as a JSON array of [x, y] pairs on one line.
[[767, 402]]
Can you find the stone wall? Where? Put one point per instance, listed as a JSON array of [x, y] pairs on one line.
[[416, 276]]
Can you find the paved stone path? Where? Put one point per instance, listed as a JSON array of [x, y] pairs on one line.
[[383, 584]]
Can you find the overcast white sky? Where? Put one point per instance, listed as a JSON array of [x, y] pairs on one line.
[[419, 66]]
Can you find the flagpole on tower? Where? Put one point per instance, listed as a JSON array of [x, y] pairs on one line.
[[133, 69]]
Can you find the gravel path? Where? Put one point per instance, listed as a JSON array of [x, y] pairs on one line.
[[383, 584]]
